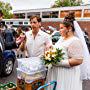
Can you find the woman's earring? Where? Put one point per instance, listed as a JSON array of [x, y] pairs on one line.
[[67, 33], [70, 30]]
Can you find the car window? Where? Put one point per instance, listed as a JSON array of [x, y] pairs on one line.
[[56, 34], [55, 37]]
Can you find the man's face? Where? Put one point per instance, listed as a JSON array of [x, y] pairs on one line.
[[35, 24]]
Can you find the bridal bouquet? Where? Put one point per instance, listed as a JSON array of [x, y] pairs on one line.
[[53, 56]]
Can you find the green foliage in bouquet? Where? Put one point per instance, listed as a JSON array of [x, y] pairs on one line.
[[53, 56]]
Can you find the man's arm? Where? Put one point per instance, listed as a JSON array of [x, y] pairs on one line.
[[48, 42]]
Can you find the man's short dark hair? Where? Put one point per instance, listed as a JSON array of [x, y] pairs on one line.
[[1, 12], [37, 17]]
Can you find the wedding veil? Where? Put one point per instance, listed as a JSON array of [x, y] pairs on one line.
[[85, 66]]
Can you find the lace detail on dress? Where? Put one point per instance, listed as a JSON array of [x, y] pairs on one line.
[[75, 49]]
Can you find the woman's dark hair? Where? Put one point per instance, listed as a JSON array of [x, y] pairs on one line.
[[68, 20], [68, 24]]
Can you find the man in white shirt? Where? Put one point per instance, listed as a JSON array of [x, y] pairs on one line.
[[37, 41]]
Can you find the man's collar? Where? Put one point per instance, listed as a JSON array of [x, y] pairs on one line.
[[39, 33]]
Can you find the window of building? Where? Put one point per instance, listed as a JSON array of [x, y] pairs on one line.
[[15, 16], [87, 13], [15, 23], [63, 14], [20, 22], [20, 15], [25, 22], [50, 14], [11, 22], [33, 14], [7, 22], [78, 13]]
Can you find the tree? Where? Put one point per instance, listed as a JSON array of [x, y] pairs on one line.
[[63, 3], [6, 9]]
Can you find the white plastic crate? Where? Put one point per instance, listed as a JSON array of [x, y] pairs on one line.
[[31, 65], [30, 77]]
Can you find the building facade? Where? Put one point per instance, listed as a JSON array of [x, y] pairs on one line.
[[53, 16]]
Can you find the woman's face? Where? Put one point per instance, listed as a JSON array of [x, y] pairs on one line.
[[63, 30]]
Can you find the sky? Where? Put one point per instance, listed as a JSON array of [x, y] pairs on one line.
[[31, 4]]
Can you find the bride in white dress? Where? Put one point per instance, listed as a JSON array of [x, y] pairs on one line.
[[67, 72]]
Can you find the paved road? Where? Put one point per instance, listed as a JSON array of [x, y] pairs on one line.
[[13, 76], [86, 85]]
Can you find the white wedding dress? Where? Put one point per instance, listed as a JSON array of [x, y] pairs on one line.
[[67, 78]]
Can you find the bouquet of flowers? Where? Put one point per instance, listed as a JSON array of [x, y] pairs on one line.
[[53, 56]]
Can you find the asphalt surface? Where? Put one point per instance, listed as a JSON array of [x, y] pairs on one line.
[[13, 78]]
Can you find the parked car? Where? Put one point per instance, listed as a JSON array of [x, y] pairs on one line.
[[55, 36], [7, 62]]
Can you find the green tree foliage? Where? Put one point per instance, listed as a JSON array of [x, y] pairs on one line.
[[6, 9], [63, 3]]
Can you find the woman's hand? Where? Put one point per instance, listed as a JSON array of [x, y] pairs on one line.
[[63, 63]]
